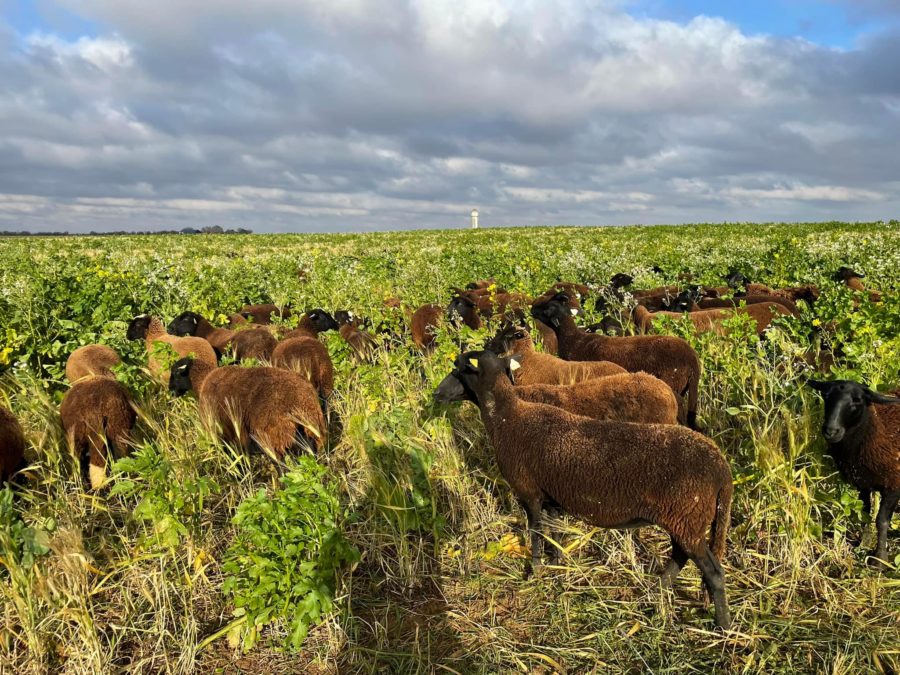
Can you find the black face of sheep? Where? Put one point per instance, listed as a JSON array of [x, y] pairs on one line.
[[656, 269], [461, 309], [505, 339], [138, 327], [459, 385], [322, 320], [185, 323], [621, 280], [180, 376], [736, 279], [845, 273], [552, 311], [845, 406]]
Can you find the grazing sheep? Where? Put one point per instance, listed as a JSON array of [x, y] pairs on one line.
[[97, 416], [253, 343], [710, 320], [851, 279], [862, 429], [312, 323], [464, 309], [669, 358], [809, 293], [151, 330], [423, 323], [12, 445], [548, 337], [735, 302], [262, 314], [611, 474], [91, 360], [361, 342], [626, 397], [309, 358], [537, 368], [193, 324], [272, 407]]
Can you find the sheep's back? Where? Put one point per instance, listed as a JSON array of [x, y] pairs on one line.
[[96, 406], [91, 360]]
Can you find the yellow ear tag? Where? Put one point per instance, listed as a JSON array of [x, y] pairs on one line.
[[514, 365], [474, 363], [574, 311]]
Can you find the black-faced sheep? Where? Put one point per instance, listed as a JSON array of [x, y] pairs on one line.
[[627, 397], [312, 323], [851, 279], [12, 445], [669, 358], [152, 331], [611, 474], [97, 416], [91, 360], [862, 429], [271, 407], [361, 342], [193, 324], [538, 368]]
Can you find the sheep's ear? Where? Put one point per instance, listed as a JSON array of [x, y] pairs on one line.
[[819, 385], [474, 363], [875, 397]]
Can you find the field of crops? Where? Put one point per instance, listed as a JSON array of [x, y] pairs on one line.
[[399, 548]]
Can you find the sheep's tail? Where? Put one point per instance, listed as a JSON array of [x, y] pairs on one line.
[[718, 534]]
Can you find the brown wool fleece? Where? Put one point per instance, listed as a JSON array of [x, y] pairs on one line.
[[309, 358], [424, 321], [263, 404], [731, 303], [91, 360], [253, 343], [12, 444], [626, 397], [710, 320], [262, 314], [876, 465], [96, 411], [538, 368], [610, 474], [218, 338], [196, 347], [361, 342], [669, 358]]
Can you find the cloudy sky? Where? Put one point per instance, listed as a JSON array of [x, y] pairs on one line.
[[325, 115]]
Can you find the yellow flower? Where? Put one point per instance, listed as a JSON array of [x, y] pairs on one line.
[[816, 322], [4, 355]]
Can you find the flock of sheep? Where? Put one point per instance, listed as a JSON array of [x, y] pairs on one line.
[[570, 432]]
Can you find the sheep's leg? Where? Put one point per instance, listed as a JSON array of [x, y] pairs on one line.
[[714, 580], [866, 496], [882, 522], [553, 512], [676, 562], [533, 512]]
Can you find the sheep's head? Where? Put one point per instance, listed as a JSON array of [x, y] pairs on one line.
[[138, 327], [488, 366], [321, 320], [683, 302], [736, 279], [553, 310], [620, 280], [180, 376], [846, 273], [846, 404], [510, 338], [463, 308], [462, 383], [185, 323]]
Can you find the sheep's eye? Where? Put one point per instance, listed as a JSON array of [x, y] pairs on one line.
[[519, 336], [856, 400]]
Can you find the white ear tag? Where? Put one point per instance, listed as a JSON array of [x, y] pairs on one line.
[[574, 312], [474, 363], [514, 365]]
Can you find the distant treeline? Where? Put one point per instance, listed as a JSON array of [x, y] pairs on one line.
[[215, 229]]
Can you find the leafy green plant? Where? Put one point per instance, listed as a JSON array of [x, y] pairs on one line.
[[284, 560]]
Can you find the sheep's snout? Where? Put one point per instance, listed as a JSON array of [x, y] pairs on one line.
[[833, 433], [449, 390]]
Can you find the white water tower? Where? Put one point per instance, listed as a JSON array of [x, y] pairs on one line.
[[474, 219]]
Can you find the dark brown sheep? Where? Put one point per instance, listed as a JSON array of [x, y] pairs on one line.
[[12, 445], [537, 368], [194, 324], [263, 314], [253, 343], [151, 330], [710, 320], [611, 474], [851, 279], [627, 397], [309, 358], [312, 323], [271, 407], [669, 358], [91, 360], [862, 429], [360, 341], [97, 416], [730, 303], [423, 324]]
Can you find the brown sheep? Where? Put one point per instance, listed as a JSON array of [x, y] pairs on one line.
[[12, 445], [626, 397], [731, 303], [862, 429], [537, 368], [253, 343], [151, 330], [423, 324], [669, 358], [311, 324], [361, 342], [548, 336], [611, 474], [97, 416], [309, 358], [271, 407], [852, 278], [194, 324], [91, 360], [262, 314], [710, 320]]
